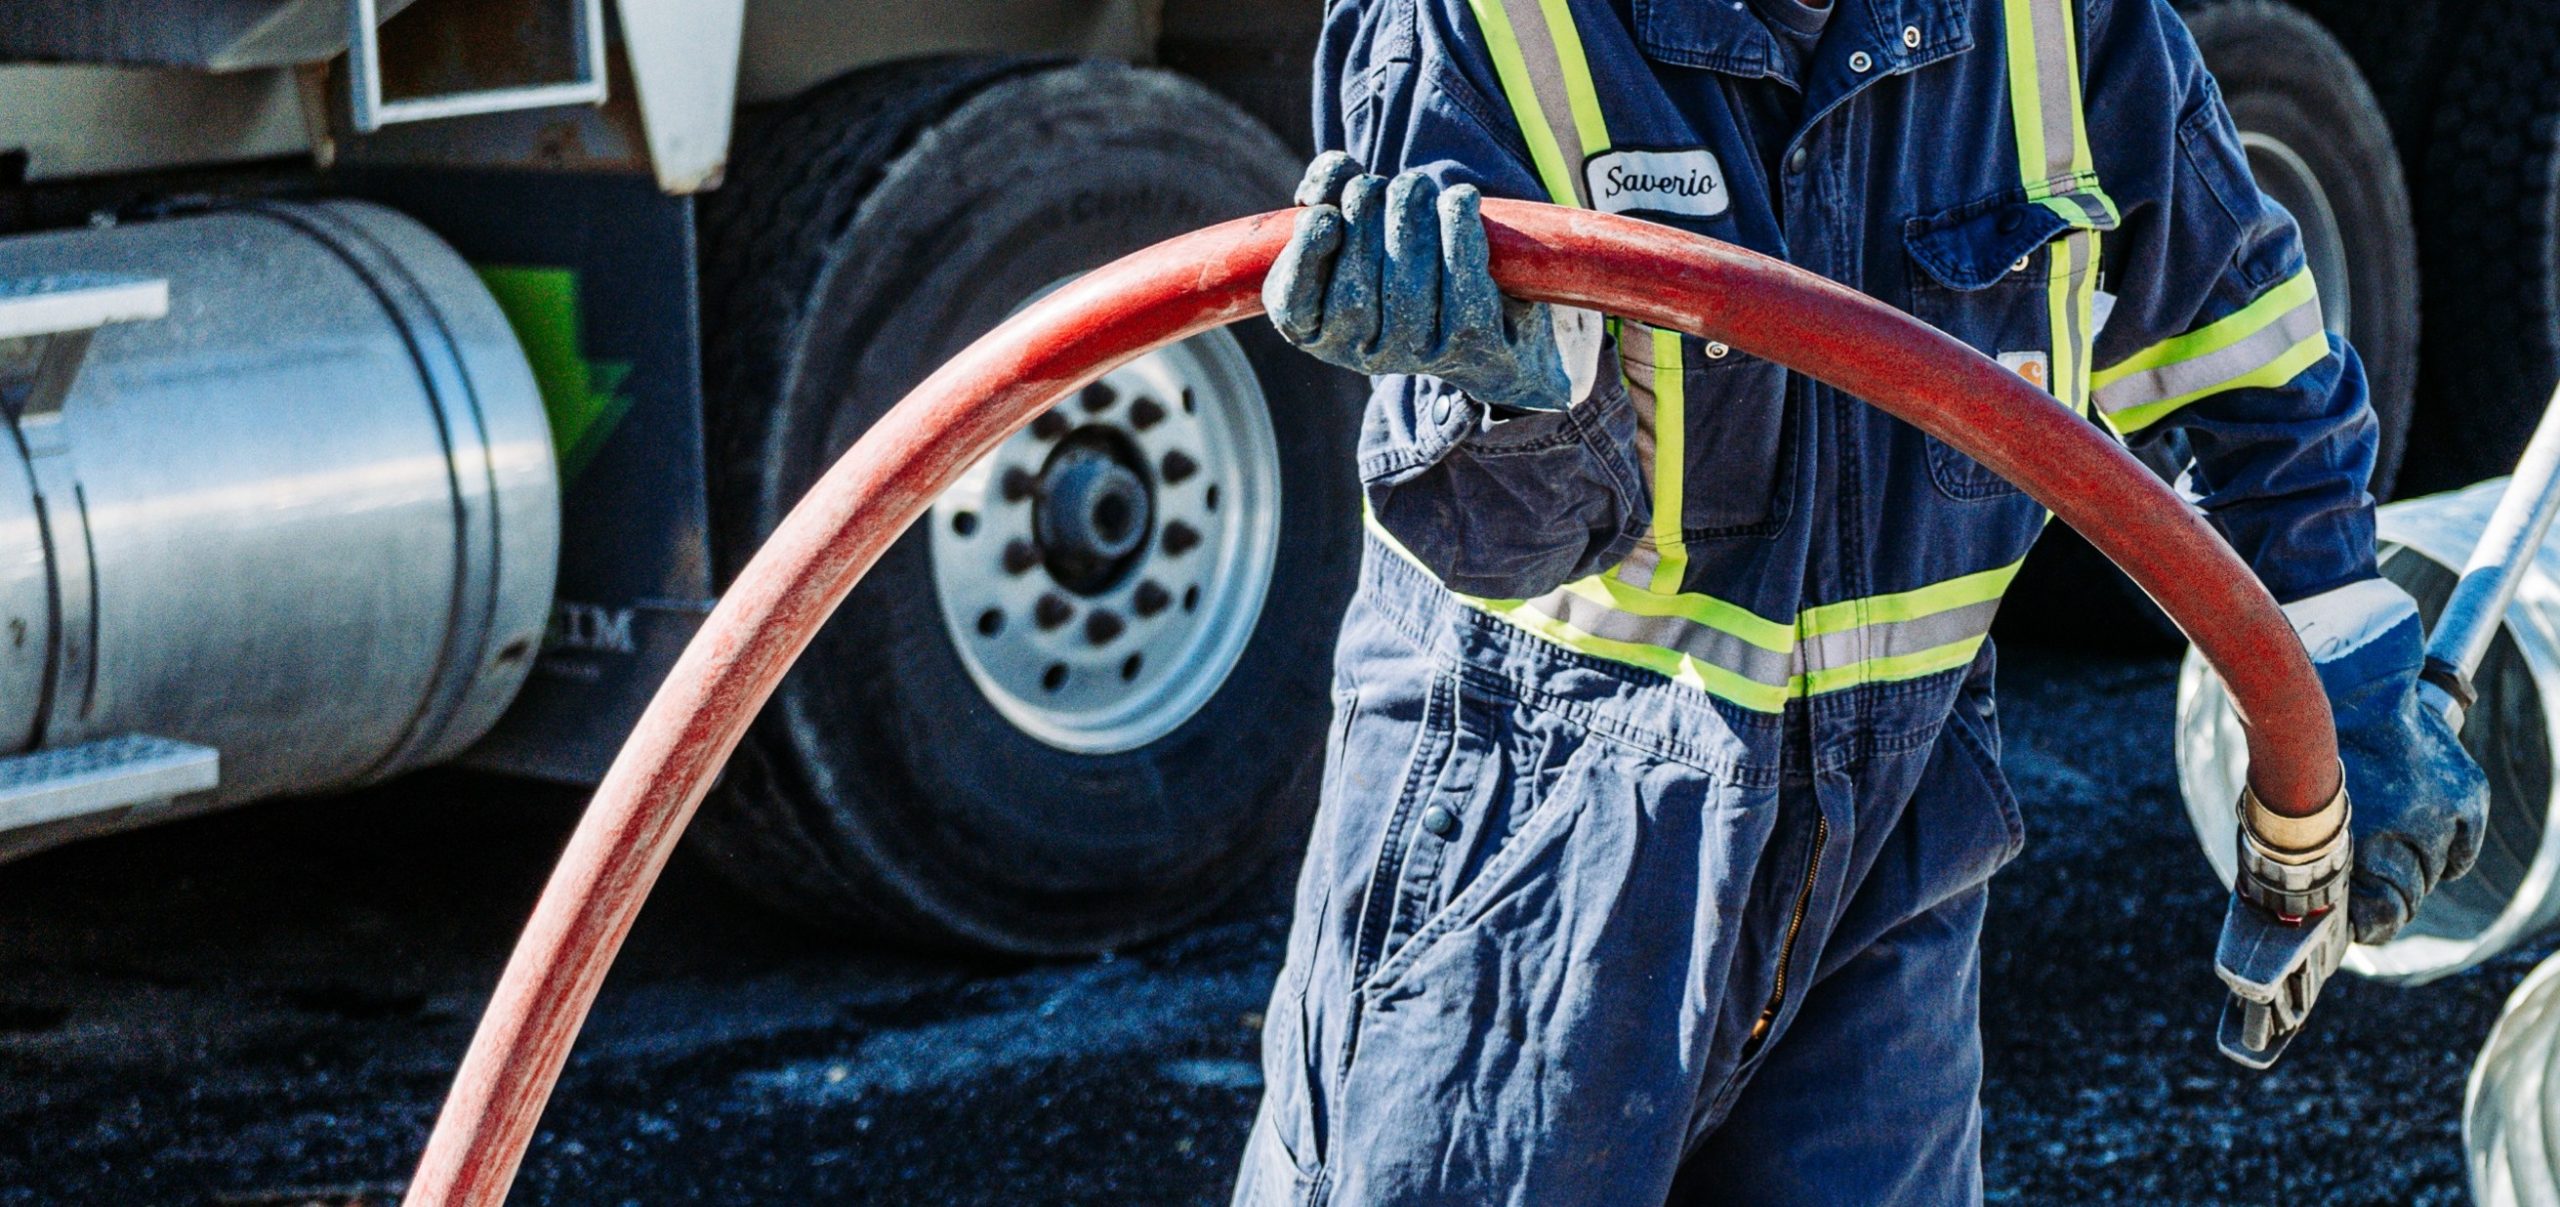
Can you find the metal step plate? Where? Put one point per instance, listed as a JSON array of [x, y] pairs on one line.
[[70, 781], [68, 302]]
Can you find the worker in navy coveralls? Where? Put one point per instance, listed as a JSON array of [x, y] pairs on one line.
[[1664, 786]]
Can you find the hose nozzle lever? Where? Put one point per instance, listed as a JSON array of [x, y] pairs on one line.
[[2286, 930]]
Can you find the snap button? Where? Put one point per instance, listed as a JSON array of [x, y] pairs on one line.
[[2011, 221], [1911, 37], [1718, 350], [1439, 821], [1860, 61], [2019, 264], [1796, 160]]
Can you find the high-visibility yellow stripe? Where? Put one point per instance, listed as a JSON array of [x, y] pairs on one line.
[[1654, 607], [1893, 669], [1695, 607], [2042, 46], [1672, 664], [2213, 337], [1670, 460], [2026, 100], [1734, 686], [1513, 69], [1579, 88], [2310, 351], [1591, 129], [1953, 593], [2066, 16]]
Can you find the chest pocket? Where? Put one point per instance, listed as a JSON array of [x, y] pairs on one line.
[[2016, 280], [1732, 470]]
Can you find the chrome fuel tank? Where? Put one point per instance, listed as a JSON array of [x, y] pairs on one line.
[[309, 518]]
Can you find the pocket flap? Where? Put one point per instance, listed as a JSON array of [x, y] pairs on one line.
[[1973, 246]]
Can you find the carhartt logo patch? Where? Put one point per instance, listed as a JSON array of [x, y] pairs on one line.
[[2034, 366], [1661, 182]]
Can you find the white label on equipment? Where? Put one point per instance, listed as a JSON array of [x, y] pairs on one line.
[[1663, 182]]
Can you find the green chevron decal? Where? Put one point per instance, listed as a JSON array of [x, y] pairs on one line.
[[584, 398]]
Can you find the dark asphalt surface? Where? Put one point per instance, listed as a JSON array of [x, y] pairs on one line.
[[264, 1007]]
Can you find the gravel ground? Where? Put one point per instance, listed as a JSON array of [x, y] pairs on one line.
[[264, 1008]]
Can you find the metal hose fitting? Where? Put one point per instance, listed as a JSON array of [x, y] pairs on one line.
[[2284, 935]]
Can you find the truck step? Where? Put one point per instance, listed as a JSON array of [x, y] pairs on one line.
[[69, 781], [70, 302]]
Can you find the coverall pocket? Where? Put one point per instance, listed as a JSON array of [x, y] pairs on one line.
[[1290, 1149], [1976, 827], [1734, 451], [2001, 275], [1510, 788]]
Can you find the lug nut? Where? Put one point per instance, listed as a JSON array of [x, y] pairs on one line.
[[1178, 465], [1098, 397], [1180, 538], [1020, 556], [1050, 425], [1145, 413], [1101, 627], [1017, 484], [1052, 611], [1152, 599]]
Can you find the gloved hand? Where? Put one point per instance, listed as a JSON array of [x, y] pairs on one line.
[[2421, 804], [1389, 277]]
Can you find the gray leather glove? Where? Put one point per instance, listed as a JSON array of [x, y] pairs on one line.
[[1389, 277]]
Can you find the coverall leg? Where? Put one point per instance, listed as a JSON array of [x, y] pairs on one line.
[[1875, 1095], [1550, 900]]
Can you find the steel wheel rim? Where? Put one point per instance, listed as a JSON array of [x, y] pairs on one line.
[[1093, 654]]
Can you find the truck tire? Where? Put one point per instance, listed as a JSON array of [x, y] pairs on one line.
[[1076, 706], [2317, 143], [2492, 247]]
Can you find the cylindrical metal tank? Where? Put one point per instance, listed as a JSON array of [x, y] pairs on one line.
[[2510, 1117], [2508, 899], [310, 518]]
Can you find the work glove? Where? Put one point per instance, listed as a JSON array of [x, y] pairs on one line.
[[2420, 802], [1388, 276]]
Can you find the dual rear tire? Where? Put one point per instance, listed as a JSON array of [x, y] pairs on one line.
[[1077, 707]]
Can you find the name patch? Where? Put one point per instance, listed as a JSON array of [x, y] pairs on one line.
[[1663, 182]]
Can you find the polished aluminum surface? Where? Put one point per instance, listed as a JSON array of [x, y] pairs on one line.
[[2509, 899], [316, 501], [1110, 650], [2510, 1114], [2515, 529]]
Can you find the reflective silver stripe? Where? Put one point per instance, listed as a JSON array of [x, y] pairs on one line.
[[2056, 60], [2181, 379], [1891, 639], [1636, 369], [1773, 668], [2071, 378], [1546, 81]]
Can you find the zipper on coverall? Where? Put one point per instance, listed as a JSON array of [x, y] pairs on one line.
[[1787, 950]]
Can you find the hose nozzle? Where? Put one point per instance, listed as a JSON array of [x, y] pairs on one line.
[[2286, 930]]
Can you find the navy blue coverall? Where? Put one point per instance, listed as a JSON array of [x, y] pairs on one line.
[[1664, 784]]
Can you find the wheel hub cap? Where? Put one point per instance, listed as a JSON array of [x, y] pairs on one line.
[[1101, 571]]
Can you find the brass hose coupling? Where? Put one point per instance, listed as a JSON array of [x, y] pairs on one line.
[[2286, 930]]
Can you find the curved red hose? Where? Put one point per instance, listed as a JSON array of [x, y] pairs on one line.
[[1210, 278]]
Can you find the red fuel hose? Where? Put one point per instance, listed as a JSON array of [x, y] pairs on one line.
[[1210, 278]]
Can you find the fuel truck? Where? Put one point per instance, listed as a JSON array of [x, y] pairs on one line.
[[391, 383]]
